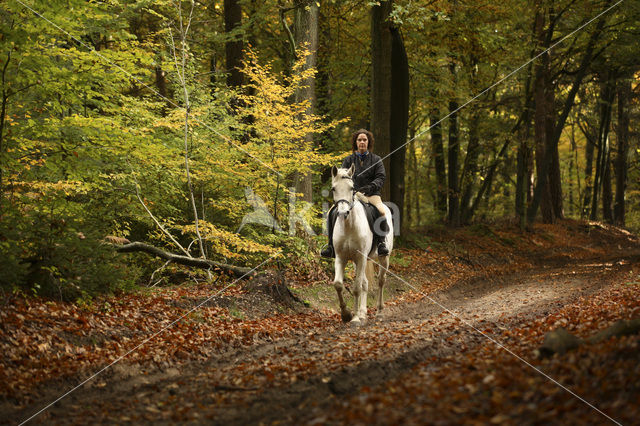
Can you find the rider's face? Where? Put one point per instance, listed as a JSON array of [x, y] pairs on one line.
[[362, 142]]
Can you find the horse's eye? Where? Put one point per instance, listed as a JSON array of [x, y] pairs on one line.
[[333, 189]]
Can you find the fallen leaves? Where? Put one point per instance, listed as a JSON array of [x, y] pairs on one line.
[[43, 340], [420, 364]]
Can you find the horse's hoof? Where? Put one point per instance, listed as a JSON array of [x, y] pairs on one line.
[[346, 316], [355, 322]]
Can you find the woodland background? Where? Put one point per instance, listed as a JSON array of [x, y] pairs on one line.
[[156, 121]]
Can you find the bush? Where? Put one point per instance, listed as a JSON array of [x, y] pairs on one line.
[[48, 256]]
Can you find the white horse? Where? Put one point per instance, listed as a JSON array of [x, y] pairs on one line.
[[353, 240]]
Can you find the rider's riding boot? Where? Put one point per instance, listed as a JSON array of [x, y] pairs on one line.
[[328, 251], [382, 246], [382, 249]]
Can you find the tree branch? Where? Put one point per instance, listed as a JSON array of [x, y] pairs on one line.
[[237, 271]]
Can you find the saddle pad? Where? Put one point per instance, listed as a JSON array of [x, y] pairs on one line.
[[372, 213]]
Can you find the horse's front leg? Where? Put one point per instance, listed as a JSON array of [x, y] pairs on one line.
[[338, 284], [360, 292]]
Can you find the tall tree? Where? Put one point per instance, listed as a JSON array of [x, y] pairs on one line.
[[624, 96], [453, 154], [578, 76], [305, 33], [399, 119], [602, 180], [543, 94], [437, 147], [234, 44], [381, 82]]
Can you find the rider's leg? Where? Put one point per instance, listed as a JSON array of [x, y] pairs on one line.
[[384, 227], [331, 220]]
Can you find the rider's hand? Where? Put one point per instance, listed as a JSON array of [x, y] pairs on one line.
[[367, 189]]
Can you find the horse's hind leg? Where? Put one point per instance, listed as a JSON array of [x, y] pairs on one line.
[[339, 286], [382, 279]]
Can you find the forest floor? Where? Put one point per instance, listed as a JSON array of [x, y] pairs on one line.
[[465, 314]]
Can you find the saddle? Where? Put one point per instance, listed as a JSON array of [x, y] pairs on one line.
[[370, 211]]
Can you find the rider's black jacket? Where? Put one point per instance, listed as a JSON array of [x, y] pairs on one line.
[[369, 175]]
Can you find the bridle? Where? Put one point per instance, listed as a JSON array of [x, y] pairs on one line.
[[349, 203]]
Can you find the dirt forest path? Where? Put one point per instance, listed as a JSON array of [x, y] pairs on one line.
[[418, 363]]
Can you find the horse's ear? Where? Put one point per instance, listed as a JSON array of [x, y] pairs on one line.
[[334, 171], [351, 170]]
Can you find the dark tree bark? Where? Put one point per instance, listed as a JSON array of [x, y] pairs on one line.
[[234, 46], [522, 162], [607, 194], [437, 147], [624, 96], [573, 165], [541, 115], [555, 178], [607, 96], [453, 154], [588, 171], [523, 157], [161, 82], [399, 119], [305, 30], [470, 168], [416, 181], [3, 114], [381, 83]]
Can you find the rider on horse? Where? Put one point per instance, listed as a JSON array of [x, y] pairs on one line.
[[368, 179]]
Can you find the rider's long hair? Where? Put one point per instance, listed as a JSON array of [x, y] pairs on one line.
[[369, 135]]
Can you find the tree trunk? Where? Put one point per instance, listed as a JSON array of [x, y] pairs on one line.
[[588, 172], [453, 153], [381, 83], [572, 165], [470, 168], [399, 120], [3, 113], [555, 178], [607, 194], [607, 96], [524, 163], [523, 157], [306, 36], [521, 182], [416, 182], [437, 147], [233, 46], [541, 116], [624, 96]]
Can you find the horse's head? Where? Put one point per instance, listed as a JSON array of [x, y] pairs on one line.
[[342, 188]]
